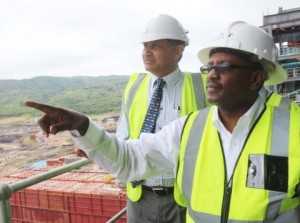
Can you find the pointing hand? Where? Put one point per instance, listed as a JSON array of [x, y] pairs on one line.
[[59, 119]]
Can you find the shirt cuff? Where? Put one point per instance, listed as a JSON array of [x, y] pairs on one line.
[[92, 139]]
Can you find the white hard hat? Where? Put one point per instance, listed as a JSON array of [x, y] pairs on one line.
[[164, 27], [250, 39]]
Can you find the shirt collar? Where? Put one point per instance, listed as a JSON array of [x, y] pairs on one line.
[[171, 79], [247, 119]]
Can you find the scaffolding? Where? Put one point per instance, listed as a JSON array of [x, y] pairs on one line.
[[284, 26]]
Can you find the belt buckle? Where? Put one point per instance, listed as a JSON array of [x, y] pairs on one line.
[[159, 190]]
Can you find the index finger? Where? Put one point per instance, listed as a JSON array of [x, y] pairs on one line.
[[42, 107]]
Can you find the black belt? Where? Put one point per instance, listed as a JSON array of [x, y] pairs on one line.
[[162, 191]]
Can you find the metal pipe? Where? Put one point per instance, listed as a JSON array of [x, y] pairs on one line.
[[6, 190], [45, 176], [292, 93], [5, 193], [117, 216]]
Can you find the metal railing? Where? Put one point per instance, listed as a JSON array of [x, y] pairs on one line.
[[294, 95], [296, 92], [289, 51], [117, 216], [6, 190]]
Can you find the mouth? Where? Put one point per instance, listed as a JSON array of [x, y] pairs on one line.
[[212, 86], [213, 89], [148, 60]]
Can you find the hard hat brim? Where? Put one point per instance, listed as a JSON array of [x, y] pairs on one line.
[[277, 76], [153, 37]]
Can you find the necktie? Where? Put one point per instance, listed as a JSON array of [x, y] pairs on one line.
[[152, 114], [154, 107]]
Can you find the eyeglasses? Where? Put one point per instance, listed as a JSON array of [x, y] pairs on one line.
[[222, 67]]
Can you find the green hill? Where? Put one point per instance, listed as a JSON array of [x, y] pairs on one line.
[[90, 95]]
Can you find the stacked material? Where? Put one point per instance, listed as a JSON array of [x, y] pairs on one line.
[[88, 195]]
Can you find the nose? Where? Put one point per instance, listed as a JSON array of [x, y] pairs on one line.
[[146, 50], [212, 74]]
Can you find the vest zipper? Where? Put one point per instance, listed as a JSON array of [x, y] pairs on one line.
[[227, 190], [226, 201]]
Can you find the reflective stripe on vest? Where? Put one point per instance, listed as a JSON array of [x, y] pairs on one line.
[[136, 104], [286, 217], [193, 94], [136, 95], [202, 188], [132, 87]]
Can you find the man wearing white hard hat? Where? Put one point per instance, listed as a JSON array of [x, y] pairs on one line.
[[237, 161], [164, 40]]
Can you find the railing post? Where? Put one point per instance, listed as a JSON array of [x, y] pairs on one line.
[[5, 193]]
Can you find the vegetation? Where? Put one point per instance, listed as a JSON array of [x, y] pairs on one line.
[[90, 95]]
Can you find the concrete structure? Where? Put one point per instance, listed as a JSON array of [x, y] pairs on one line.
[[285, 29]]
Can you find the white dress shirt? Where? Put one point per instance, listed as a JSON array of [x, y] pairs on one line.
[[153, 154], [169, 106], [232, 143], [169, 111]]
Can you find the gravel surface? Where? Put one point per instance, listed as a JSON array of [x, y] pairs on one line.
[[23, 144]]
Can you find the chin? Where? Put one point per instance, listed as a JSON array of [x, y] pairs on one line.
[[213, 100], [149, 68]]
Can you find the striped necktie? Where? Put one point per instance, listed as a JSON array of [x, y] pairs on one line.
[[152, 114], [154, 107]]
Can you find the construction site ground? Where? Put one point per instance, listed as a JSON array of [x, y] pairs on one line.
[[22, 143]]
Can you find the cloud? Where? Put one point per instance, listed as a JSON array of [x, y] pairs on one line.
[[97, 37]]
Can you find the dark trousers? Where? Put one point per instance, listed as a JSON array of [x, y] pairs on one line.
[[154, 208]]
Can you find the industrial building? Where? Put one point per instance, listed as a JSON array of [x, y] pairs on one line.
[[284, 26]]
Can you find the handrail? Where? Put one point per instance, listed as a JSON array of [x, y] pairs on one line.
[[50, 174], [292, 93], [289, 51], [6, 190], [117, 216]]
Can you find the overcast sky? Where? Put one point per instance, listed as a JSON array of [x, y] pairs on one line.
[[97, 37]]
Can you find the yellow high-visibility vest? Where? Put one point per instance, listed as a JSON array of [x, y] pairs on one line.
[[135, 104], [252, 194]]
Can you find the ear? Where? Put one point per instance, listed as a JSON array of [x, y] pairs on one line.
[[179, 51], [257, 80]]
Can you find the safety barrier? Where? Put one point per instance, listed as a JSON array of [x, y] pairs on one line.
[[58, 209]]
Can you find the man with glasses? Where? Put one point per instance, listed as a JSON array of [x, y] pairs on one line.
[[238, 160]]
